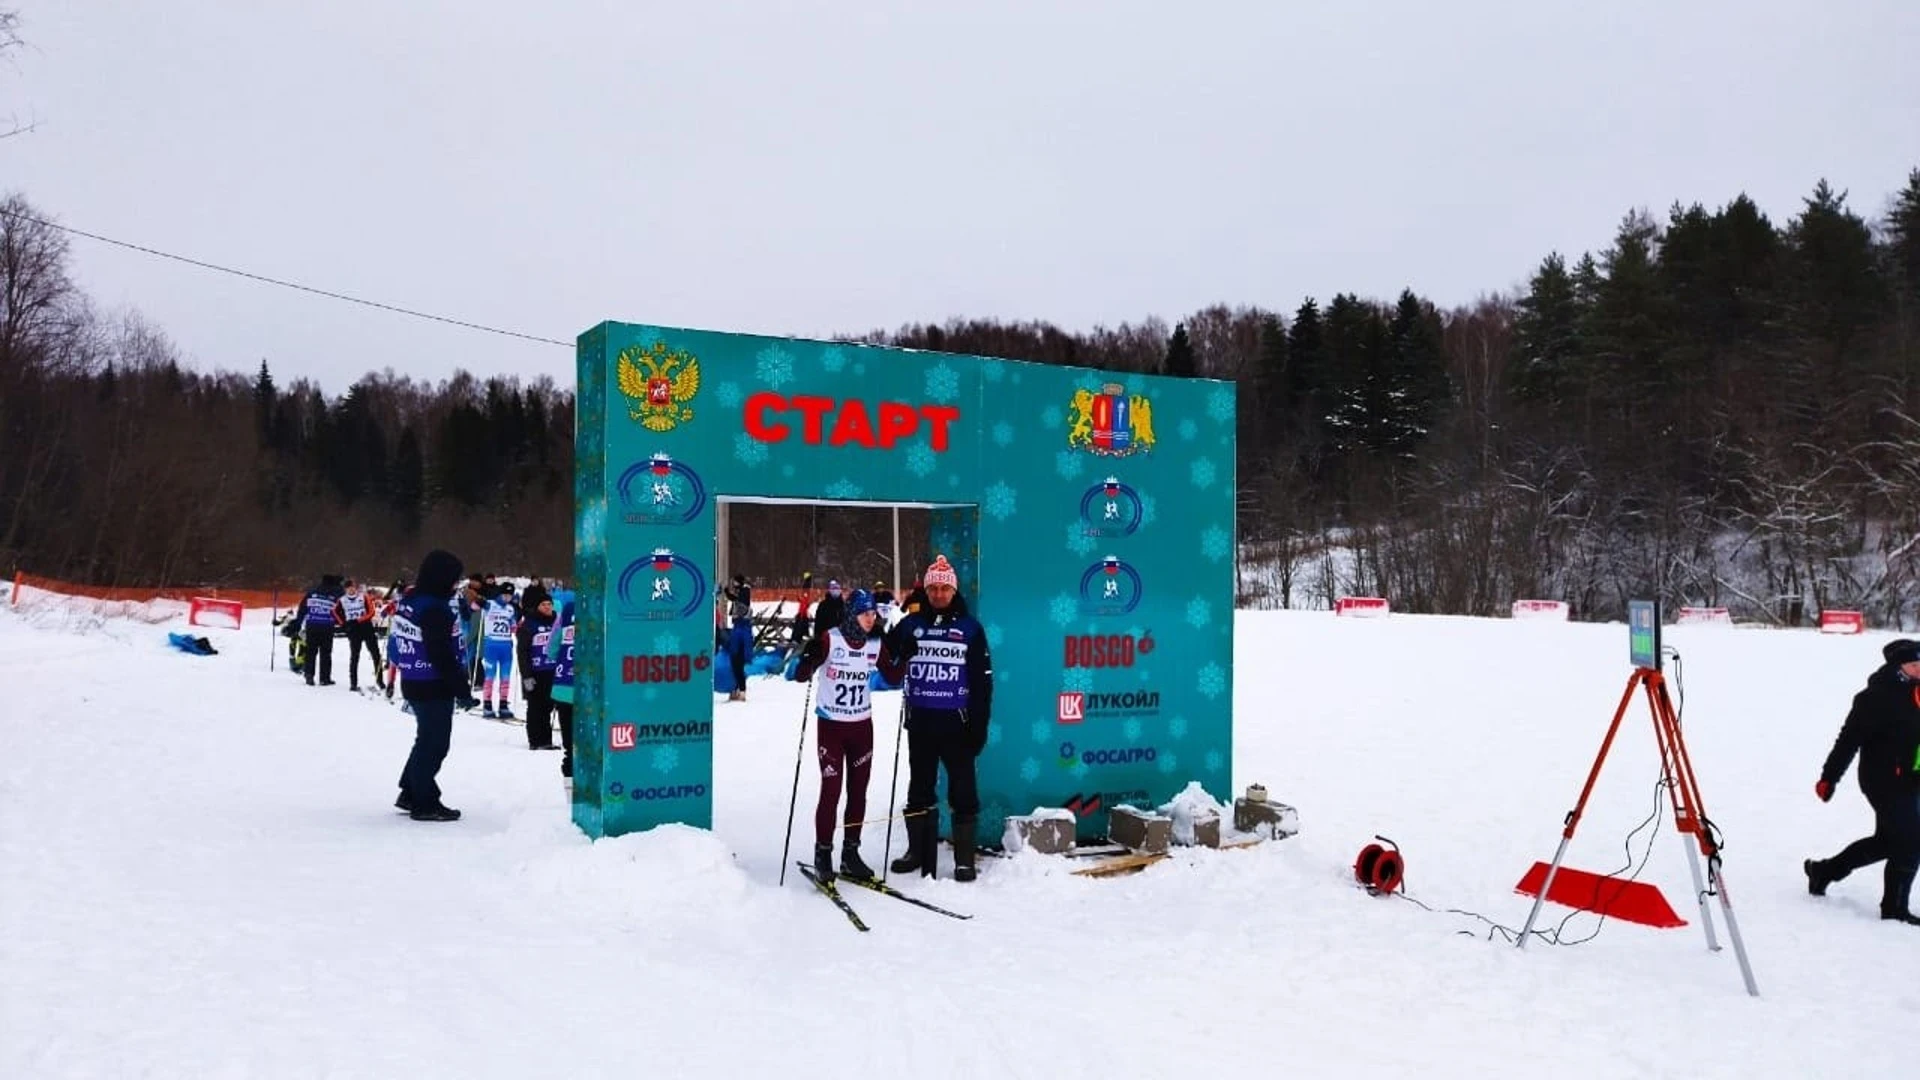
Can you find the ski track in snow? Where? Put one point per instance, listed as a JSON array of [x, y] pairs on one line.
[[203, 877]]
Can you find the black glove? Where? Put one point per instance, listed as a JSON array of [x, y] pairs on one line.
[[527, 684], [902, 642]]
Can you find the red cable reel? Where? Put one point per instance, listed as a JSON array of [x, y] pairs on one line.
[[1379, 870]]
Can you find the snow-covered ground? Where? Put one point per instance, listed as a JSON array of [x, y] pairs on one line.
[[201, 875]]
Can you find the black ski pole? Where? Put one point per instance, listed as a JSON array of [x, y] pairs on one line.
[[893, 788], [793, 799]]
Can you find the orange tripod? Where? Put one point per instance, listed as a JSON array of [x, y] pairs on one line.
[[1689, 816]]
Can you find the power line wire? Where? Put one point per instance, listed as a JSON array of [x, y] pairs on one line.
[[284, 284]]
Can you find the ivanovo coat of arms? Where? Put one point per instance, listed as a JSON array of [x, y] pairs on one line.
[[1110, 422], [657, 383]]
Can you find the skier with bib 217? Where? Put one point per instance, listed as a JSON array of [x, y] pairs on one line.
[[844, 657]]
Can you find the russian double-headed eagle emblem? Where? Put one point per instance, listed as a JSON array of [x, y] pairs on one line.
[[657, 383]]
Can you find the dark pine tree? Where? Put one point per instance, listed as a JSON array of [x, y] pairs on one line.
[[1179, 359]]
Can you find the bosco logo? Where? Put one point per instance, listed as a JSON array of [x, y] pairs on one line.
[[1110, 587], [661, 669], [1106, 650], [661, 586], [660, 491], [1111, 508]]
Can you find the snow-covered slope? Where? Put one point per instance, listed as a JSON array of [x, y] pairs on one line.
[[201, 876]]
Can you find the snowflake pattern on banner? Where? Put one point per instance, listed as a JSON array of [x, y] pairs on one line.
[[1042, 731], [774, 366], [943, 383], [1000, 500], [1220, 405], [1080, 679], [1051, 417], [1188, 429], [1029, 770], [665, 759], [591, 535], [1063, 608], [1168, 761], [993, 736], [1149, 510], [1215, 543], [1131, 729], [1213, 680], [995, 636], [787, 469], [1176, 728], [1199, 613], [993, 370], [1003, 434], [1215, 760], [1136, 385], [1077, 770], [651, 693], [1078, 541], [842, 488], [729, 394], [666, 644], [833, 361], [859, 367], [749, 450], [1069, 464], [1202, 473], [921, 460]]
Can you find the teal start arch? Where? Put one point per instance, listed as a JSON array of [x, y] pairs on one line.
[[1089, 514]]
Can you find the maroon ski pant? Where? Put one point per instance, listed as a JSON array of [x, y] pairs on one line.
[[846, 753]]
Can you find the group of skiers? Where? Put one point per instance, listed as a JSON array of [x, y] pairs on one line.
[[445, 642], [938, 654]]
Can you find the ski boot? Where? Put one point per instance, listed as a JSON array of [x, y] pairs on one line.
[[823, 862], [851, 865], [487, 711], [1817, 877], [1895, 903]]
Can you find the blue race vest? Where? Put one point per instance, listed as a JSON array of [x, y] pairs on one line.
[[319, 609], [563, 664], [537, 651], [937, 674], [405, 645]]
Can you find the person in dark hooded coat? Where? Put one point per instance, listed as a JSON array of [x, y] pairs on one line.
[[427, 640], [1883, 730], [948, 703]]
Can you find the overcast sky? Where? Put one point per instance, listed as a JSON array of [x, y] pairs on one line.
[[812, 168]]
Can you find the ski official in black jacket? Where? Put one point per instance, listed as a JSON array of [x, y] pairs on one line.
[[1883, 731]]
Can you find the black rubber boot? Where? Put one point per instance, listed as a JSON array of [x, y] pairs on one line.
[[930, 843], [1896, 902], [909, 862], [963, 849], [823, 861], [1817, 879]]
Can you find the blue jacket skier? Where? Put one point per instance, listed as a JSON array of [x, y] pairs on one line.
[[427, 649]]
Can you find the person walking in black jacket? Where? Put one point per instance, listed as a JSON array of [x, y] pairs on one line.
[[426, 643], [1883, 729]]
